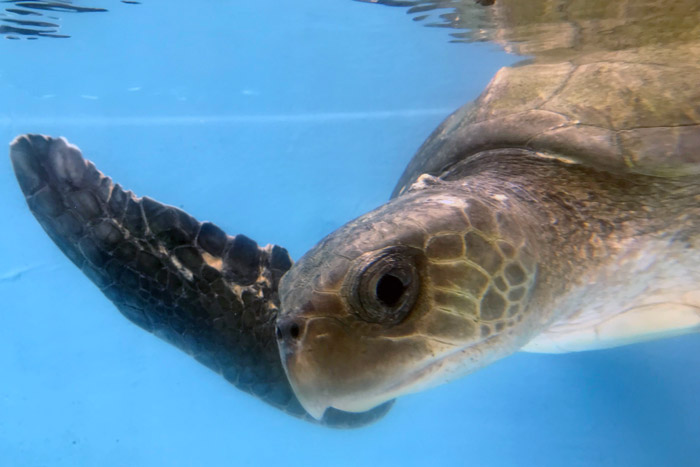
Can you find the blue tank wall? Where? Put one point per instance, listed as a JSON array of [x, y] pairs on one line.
[[280, 122]]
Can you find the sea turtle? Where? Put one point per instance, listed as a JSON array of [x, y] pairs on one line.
[[558, 212]]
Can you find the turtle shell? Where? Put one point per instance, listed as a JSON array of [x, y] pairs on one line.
[[613, 85]]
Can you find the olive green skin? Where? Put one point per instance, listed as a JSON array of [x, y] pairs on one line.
[[504, 222], [497, 244], [510, 207], [471, 272]]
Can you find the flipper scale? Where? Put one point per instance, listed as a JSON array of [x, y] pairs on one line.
[[210, 294]]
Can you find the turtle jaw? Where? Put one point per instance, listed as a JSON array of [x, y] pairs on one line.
[[329, 365], [312, 352], [327, 376], [316, 406]]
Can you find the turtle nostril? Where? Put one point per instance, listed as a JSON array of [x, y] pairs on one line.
[[288, 329], [294, 330]]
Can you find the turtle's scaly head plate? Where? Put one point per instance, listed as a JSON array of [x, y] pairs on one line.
[[422, 290]]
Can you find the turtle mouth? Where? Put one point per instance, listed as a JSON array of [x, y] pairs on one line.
[[450, 365], [319, 387]]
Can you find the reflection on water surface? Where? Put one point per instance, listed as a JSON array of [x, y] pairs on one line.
[[32, 20]]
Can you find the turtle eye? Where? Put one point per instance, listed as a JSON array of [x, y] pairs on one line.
[[390, 289], [385, 288]]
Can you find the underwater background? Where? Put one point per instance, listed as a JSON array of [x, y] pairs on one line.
[[281, 121]]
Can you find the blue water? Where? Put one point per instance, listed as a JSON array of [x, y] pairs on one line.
[[280, 121]]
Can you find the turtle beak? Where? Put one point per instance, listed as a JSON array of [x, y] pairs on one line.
[[320, 358], [291, 334], [315, 405]]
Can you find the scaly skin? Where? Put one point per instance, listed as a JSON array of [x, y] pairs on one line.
[[496, 244], [212, 295], [516, 213]]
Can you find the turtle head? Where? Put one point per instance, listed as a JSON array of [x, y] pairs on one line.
[[424, 289]]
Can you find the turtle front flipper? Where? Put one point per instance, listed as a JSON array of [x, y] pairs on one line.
[[212, 295]]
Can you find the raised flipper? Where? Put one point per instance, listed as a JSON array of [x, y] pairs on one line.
[[212, 295]]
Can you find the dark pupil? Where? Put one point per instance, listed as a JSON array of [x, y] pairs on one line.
[[389, 290]]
